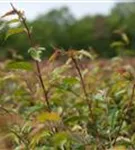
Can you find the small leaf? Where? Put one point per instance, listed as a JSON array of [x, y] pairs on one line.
[[125, 38], [38, 137], [73, 119], [32, 109], [13, 31], [99, 97], [60, 138], [13, 21], [117, 44], [36, 52], [46, 116], [70, 80], [85, 53], [20, 65]]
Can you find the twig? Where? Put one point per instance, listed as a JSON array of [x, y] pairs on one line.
[[86, 98], [23, 21], [83, 87]]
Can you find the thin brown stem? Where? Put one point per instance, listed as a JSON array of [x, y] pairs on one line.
[[23, 21], [83, 87], [43, 86], [86, 98]]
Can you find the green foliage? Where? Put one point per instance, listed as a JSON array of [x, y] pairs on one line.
[[13, 21], [67, 125], [79, 103], [20, 66], [13, 31]]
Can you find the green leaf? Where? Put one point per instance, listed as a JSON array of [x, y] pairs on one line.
[[70, 80], [46, 116], [20, 65], [13, 31], [60, 138], [33, 109], [13, 21], [99, 97], [117, 44], [68, 83], [73, 119], [39, 136], [125, 38], [86, 54], [113, 115], [36, 52]]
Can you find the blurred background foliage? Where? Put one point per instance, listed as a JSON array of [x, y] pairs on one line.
[[59, 28]]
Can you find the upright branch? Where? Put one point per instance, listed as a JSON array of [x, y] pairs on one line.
[[86, 96], [83, 87], [27, 30]]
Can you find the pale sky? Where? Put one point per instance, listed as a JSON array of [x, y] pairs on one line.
[[79, 9]]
